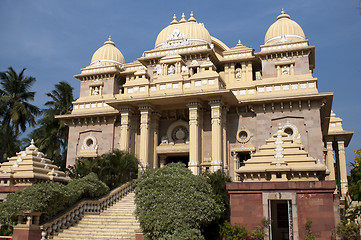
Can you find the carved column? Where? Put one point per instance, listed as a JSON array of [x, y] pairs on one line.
[[155, 131], [330, 161], [194, 137], [342, 168], [125, 126], [145, 112], [217, 145]]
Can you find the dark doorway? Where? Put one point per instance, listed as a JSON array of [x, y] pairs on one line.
[[280, 219], [175, 159], [243, 157]]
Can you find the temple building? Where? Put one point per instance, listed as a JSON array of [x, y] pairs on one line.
[[257, 115]]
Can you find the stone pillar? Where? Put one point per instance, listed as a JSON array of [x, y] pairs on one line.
[[224, 139], [194, 137], [330, 161], [235, 165], [145, 112], [124, 132], [155, 132], [342, 168], [217, 145]]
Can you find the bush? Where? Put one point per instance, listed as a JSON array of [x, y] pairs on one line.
[[237, 232], [49, 197], [348, 230], [172, 203], [113, 168]]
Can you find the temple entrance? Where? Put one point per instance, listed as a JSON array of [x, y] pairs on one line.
[[281, 219], [175, 159]]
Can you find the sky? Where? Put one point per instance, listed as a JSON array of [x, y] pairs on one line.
[[54, 39]]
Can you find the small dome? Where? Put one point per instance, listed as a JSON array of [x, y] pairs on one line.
[[108, 54], [284, 30], [183, 33]]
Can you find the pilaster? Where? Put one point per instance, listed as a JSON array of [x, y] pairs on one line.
[[217, 145], [342, 168], [330, 161], [125, 128], [194, 136], [145, 114], [155, 132]]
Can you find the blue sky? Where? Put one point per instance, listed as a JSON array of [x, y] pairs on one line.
[[53, 39]]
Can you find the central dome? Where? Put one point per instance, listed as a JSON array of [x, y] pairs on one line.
[[182, 33]]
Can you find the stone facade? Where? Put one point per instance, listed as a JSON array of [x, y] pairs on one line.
[[257, 115]]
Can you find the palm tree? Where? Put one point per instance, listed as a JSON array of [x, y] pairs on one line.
[[17, 112], [52, 135]]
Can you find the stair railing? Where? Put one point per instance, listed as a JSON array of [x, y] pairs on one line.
[[75, 213]]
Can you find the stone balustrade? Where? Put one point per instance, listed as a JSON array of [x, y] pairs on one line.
[[73, 215]]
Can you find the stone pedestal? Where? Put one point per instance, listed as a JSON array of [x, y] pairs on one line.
[[30, 230]]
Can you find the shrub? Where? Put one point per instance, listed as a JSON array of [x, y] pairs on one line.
[[238, 232], [49, 197], [347, 230], [309, 234], [113, 168], [172, 203]]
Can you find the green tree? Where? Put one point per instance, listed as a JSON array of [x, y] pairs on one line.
[[17, 112], [354, 180], [113, 168], [52, 135], [172, 203], [218, 181]]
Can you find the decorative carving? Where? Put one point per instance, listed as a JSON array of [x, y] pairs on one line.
[[184, 69], [285, 70], [96, 91], [171, 70], [238, 73], [158, 69]]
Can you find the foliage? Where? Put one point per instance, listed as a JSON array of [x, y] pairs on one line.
[[172, 203], [309, 234], [52, 135], [50, 197], [347, 230], [354, 180], [218, 181], [15, 110], [238, 232], [113, 168]]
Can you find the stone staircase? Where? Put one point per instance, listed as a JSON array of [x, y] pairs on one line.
[[116, 222]]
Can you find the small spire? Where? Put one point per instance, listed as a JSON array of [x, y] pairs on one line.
[[174, 20], [109, 41], [239, 42], [183, 20], [192, 19], [283, 15], [32, 142]]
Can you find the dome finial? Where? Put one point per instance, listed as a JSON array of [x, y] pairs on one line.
[[174, 20], [183, 20], [282, 11], [109, 38], [192, 19]]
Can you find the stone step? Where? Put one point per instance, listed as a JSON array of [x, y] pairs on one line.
[[116, 222]]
